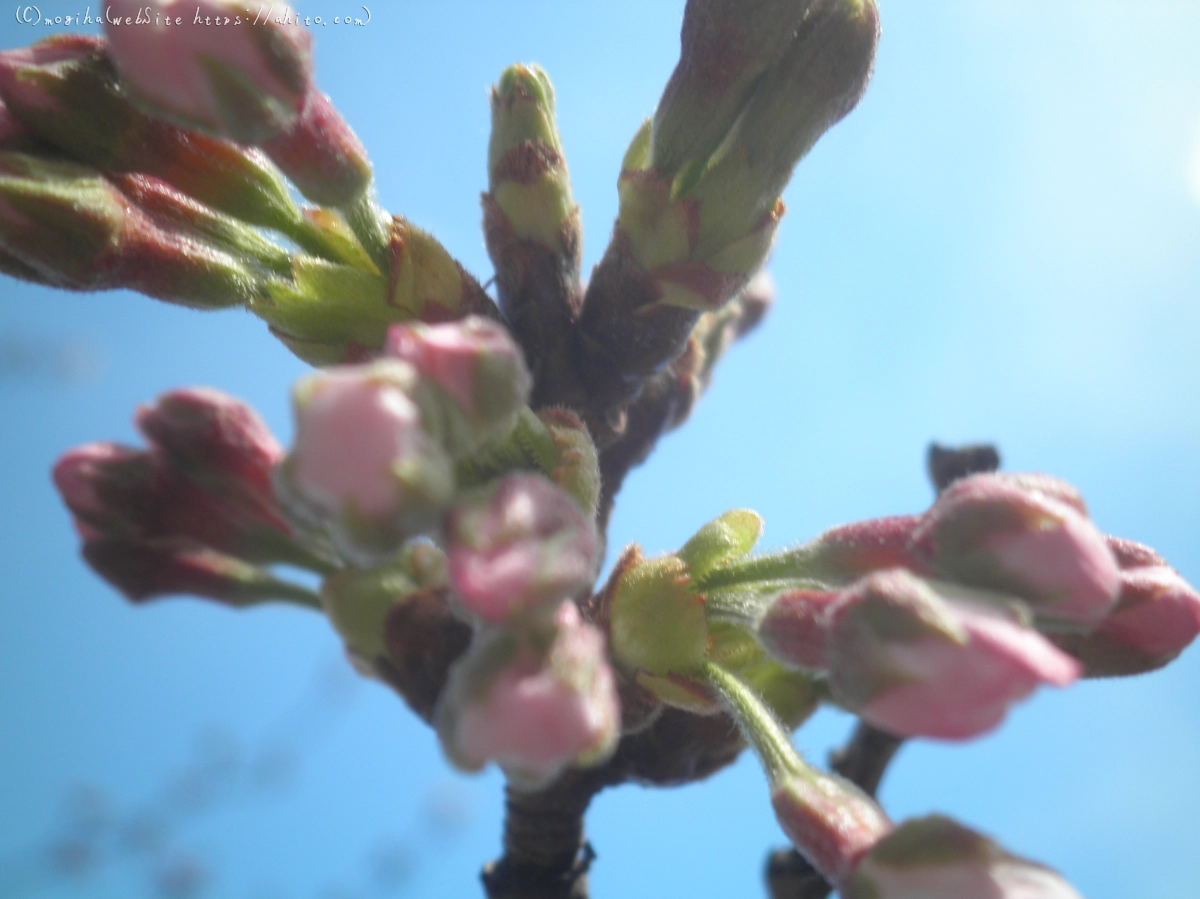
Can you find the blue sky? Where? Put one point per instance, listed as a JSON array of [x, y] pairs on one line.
[[1002, 242]]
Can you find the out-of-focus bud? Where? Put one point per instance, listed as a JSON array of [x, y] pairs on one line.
[[143, 571], [115, 491], [363, 462], [81, 233], [575, 467], [702, 225], [725, 48], [358, 602], [322, 155], [66, 91], [818, 80], [247, 83], [175, 210], [1156, 617], [11, 127], [1131, 554], [1005, 534], [518, 547], [534, 709], [913, 662], [212, 437], [657, 628], [724, 539], [830, 820], [426, 283], [475, 371], [937, 858], [554, 442], [106, 487]]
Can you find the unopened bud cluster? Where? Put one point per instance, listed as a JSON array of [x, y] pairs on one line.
[[455, 463]]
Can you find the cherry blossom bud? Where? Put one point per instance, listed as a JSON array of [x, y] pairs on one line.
[[937, 858], [1001, 534], [247, 82], [79, 232], [796, 626], [143, 570], [66, 91], [830, 820], [363, 462], [1156, 617], [519, 546], [725, 48], [135, 495], [914, 662], [213, 437], [476, 369], [321, 155], [533, 710]]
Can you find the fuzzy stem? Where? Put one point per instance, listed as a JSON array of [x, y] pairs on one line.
[[759, 724], [371, 225], [799, 563]]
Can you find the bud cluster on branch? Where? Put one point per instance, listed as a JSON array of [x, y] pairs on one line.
[[456, 459]]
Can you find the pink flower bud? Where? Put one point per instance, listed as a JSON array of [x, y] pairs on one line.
[[829, 820], [1155, 619], [322, 155], [212, 435], [105, 486], [911, 661], [1000, 533], [519, 546], [795, 627], [533, 712], [247, 82], [363, 461], [29, 93], [844, 553], [474, 363], [937, 858]]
